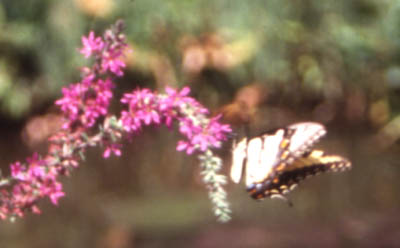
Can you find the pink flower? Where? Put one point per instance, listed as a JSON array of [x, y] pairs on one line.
[[146, 108], [91, 44], [143, 108], [181, 99], [130, 122], [17, 171], [112, 148], [72, 102], [86, 103], [36, 181], [111, 61], [185, 145], [82, 104], [202, 137], [53, 190]]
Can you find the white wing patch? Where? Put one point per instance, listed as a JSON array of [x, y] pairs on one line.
[[262, 156], [239, 155]]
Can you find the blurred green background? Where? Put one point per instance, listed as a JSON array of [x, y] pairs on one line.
[[336, 62]]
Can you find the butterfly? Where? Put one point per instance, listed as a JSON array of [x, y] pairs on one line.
[[275, 162]]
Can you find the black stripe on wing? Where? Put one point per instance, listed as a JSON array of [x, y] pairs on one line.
[[307, 134], [309, 165]]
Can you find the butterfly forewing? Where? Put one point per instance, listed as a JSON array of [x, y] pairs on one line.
[[278, 150], [261, 157], [303, 137]]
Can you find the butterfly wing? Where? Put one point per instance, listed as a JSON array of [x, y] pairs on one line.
[[310, 164], [258, 154], [270, 154], [238, 158], [263, 155], [276, 161], [302, 136]]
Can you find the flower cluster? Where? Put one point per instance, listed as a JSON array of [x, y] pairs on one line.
[[201, 133], [146, 107], [109, 51], [37, 181], [142, 109], [82, 104], [87, 123]]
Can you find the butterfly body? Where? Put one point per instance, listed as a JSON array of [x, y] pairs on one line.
[[276, 162]]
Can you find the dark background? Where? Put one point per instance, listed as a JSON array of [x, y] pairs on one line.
[[335, 62]]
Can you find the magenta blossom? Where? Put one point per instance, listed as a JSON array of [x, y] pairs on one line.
[[146, 107], [143, 106], [203, 137], [18, 171], [36, 181], [112, 148], [91, 44], [112, 62], [87, 123], [85, 102]]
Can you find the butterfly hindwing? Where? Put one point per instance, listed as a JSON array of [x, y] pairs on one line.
[[310, 164]]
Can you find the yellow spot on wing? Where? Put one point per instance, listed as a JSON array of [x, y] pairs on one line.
[[284, 154], [281, 167], [284, 143]]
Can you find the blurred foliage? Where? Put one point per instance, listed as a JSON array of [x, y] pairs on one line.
[[269, 62], [321, 48]]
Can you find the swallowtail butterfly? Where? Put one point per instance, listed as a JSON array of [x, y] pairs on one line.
[[276, 162]]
